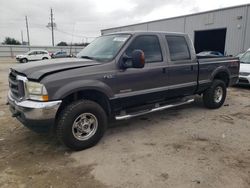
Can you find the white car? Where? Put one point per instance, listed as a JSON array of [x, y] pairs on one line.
[[33, 55], [244, 75]]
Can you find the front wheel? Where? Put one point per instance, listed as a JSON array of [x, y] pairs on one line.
[[24, 60], [81, 124], [214, 97]]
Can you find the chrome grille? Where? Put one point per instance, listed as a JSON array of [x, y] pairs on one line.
[[16, 86]]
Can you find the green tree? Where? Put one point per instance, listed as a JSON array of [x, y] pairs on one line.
[[62, 44], [11, 41]]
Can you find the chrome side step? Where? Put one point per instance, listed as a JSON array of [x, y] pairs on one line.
[[128, 116]]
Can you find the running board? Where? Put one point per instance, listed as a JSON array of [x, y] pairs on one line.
[[128, 116]]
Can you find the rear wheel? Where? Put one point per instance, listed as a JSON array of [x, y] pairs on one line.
[[44, 58], [81, 124], [215, 96]]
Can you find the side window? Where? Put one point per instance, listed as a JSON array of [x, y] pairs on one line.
[[178, 48], [245, 58], [150, 45], [32, 53]]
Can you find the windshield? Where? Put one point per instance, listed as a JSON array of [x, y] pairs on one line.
[[104, 48], [27, 53], [245, 58]]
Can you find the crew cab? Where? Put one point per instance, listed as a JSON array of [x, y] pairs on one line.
[[33, 55], [118, 76]]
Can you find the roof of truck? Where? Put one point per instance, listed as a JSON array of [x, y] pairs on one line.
[[147, 32]]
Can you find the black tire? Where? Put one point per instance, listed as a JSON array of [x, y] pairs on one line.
[[210, 99], [68, 117], [24, 60], [44, 58]]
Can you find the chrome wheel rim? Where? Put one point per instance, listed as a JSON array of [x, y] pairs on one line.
[[84, 126], [218, 94]]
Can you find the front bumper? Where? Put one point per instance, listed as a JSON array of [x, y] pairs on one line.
[[244, 80], [18, 58], [38, 116]]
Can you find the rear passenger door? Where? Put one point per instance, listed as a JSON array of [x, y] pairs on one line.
[[182, 68]]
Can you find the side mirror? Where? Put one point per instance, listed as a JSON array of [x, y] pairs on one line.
[[137, 60]]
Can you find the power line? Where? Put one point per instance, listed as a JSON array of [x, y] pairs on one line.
[[52, 26], [22, 36], [27, 28], [75, 35]]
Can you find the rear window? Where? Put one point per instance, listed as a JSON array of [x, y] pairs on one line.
[[178, 48]]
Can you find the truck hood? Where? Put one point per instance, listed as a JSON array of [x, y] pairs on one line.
[[37, 70], [245, 67]]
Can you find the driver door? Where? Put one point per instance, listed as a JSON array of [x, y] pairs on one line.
[[142, 84], [32, 56], [39, 55]]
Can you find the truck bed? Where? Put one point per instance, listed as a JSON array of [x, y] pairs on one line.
[[207, 67]]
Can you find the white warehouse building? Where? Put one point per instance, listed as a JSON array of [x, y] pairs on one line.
[[226, 30]]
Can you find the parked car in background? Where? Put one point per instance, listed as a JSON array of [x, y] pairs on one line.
[[33, 55], [239, 55], [60, 54], [244, 75], [207, 54]]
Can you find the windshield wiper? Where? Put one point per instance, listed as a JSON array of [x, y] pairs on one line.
[[87, 57]]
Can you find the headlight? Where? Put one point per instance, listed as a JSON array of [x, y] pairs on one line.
[[36, 91]]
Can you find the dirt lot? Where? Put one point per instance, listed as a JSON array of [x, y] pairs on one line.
[[189, 146]]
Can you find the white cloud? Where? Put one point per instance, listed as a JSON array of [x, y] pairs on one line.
[[109, 6], [88, 17]]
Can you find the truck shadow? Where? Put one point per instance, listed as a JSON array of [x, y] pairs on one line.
[[244, 87]]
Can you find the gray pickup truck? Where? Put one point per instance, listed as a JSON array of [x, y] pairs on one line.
[[118, 76]]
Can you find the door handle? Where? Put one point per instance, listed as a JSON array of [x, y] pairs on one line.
[[163, 70]]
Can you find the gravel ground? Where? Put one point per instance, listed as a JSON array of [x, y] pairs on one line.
[[189, 146]]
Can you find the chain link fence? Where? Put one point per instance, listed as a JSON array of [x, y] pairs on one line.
[[10, 51]]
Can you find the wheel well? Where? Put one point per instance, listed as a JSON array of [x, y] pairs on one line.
[[92, 95], [222, 76]]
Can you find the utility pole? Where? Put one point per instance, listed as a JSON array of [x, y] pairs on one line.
[[52, 26], [27, 28], [22, 36]]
